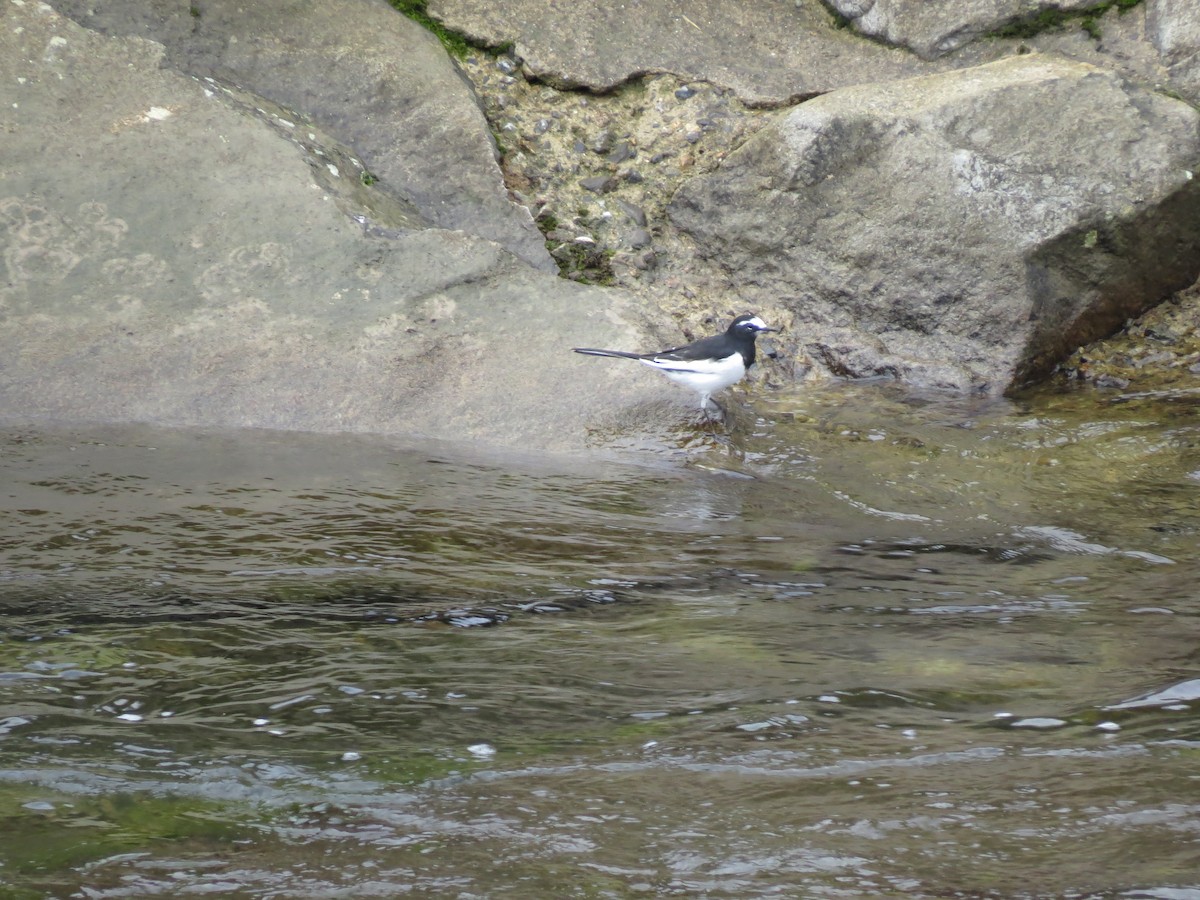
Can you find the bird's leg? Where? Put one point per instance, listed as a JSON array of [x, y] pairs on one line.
[[709, 417]]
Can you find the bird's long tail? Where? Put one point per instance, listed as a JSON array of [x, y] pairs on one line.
[[619, 354]]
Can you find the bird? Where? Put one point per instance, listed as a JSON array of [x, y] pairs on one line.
[[708, 365]]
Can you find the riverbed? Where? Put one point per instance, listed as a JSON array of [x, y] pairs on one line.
[[860, 643]]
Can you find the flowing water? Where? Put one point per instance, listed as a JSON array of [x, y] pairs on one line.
[[869, 645]]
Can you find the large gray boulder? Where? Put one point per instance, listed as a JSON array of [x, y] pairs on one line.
[[1174, 27], [773, 52], [963, 230], [931, 28], [357, 69], [768, 53], [1157, 41], [174, 252]]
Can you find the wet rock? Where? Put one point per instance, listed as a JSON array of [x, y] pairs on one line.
[[639, 238], [1133, 357], [944, 222]]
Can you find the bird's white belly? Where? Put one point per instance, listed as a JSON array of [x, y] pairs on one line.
[[704, 377]]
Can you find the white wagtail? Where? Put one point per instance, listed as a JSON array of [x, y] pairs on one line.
[[706, 366]]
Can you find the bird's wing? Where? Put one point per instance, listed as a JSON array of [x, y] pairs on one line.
[[706, 348]]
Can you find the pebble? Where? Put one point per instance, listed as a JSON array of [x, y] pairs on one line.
[[603, 142], [635, 213], [638, 261], [598, 184], [542, 126], [506, 65], [639, 238], [1039, 722], [685, 93], [620, 153]]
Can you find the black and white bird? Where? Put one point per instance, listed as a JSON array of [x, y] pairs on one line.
[[706, 366]]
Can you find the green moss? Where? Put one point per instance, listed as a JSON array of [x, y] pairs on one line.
[[456, 44], [498, 139], [1054, 19], [77, 829], [418, 767], [585, 263]]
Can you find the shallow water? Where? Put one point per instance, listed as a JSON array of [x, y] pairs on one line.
[[867, 645]]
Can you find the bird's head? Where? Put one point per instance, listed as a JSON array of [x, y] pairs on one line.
[[750, 325]]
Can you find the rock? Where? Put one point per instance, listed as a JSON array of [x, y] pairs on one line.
[[598, 184], [1133, 357], [1174, 27], [1157, 41], [775, 53], [932, 28], [620, 153], [966, 230], [201, 266], [639, 238], [603, 142], [385, 87], [768, 53], [636, 214]]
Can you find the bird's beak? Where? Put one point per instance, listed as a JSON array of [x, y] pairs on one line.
[[764, 330]]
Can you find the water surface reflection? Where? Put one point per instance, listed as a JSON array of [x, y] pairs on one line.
[[873, 645]]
